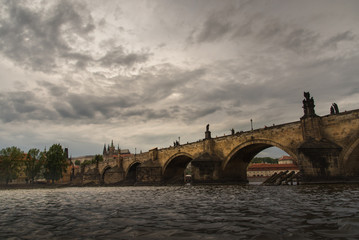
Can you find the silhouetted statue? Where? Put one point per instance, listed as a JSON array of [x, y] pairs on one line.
[[332, 111], [308, 105], [207, 133], [232, 131], [336, 108]]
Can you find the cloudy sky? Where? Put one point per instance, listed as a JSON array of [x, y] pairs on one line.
[[144, 73]]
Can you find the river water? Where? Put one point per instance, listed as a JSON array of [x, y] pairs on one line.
[[182, 212]]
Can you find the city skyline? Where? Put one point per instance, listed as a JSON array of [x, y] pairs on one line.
[[143, 73]]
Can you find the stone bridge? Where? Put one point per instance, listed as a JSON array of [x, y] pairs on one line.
[[324, 147]]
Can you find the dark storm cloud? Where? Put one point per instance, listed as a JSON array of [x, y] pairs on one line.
[[141, 98], [193, 113], [344, 36], [157, 83], [145, 114], [237, 24], [53, 89], [117, 56], [64, 110], [46, 40], [214, 28], [300, 40], [172, 81], [35, 39], [108, 106], [23, 106], [149, 96], [222, 23], [82, 60]]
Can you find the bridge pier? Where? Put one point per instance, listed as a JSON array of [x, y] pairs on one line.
[[318, 157], [147, 175], [206, 169], [320, 160]]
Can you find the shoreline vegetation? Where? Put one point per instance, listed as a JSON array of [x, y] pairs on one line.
[[50, 168]]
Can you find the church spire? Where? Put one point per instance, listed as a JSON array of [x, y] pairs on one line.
[[104, 149]]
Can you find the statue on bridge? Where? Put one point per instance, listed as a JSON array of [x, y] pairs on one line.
[[308, 105], [332, 110], [336, 108], [207, 133]]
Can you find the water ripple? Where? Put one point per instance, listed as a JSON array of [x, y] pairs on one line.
[[185, 212]]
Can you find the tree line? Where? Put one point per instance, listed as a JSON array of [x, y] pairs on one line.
[[95, 160], [264, 160], [35, 164]]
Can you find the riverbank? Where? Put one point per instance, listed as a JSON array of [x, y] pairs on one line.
[[33, 186], [69, 185]]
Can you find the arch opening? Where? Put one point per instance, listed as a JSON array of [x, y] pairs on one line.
[[256, 162], [105, 175], [132, 173], [351, 166], [176, 169], [111, 175]]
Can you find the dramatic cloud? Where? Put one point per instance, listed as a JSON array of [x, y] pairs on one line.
[[37, 39], [56, 36], [144, 73], [235, 23]]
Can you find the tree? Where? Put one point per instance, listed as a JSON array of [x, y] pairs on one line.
[[33, 164], [77, 162], [86, 163], [97, 158], [10, 163], [55, 163], [264, 160]]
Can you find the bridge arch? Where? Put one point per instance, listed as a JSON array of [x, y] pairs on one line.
[[130, 174], [234, 167], [103, 174], [111, 175], [174, 167], [351, 159]]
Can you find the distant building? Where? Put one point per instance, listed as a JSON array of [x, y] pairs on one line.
[[267, 169], [285, 160], [110, 152]]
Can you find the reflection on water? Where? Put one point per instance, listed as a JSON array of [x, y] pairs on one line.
[[182, 212]]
